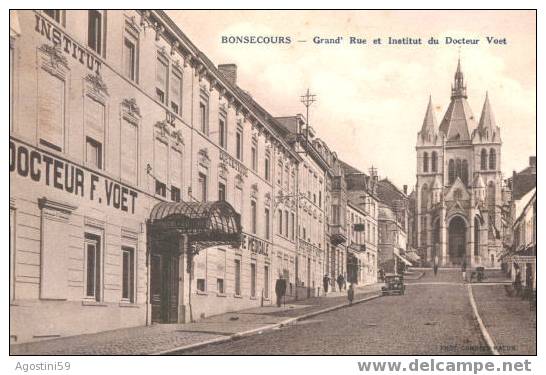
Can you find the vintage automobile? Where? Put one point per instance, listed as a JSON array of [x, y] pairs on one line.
[[394, 284]]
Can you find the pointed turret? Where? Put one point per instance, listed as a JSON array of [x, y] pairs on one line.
[[487, 120], [429, 123], [428, 130], [458, 118]]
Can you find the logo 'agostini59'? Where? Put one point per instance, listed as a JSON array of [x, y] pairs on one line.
[[255, 39]]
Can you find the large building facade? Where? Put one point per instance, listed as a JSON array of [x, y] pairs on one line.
[[143, 180], [459, 183]]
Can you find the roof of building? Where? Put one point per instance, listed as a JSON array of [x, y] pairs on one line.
[[388, 193], [429, 123]]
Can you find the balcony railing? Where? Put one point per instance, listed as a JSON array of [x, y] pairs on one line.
[[338, 234]]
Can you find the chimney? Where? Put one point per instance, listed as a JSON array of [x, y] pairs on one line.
[[405, 187], [229, 71]]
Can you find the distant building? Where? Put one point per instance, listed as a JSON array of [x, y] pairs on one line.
[[459, 183]]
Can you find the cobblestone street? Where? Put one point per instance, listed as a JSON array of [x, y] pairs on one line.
[[434, 317]]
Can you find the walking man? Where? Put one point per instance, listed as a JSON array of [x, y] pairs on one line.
[[463, 269], [351, 293], [280, 289], [340, 280], [435, 265], [325, 283]]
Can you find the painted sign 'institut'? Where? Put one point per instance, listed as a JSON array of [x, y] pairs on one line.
[[146, 186]]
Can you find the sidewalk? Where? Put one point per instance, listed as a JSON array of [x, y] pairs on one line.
[[508, 320], [165, 338]]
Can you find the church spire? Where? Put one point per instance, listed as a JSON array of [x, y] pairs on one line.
[[458, 89], [487, 122], [429, 123]]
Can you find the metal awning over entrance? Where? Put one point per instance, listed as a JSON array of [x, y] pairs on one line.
[[203, 222], [408, 263]]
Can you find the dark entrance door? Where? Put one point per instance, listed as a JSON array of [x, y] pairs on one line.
[[457, 240], [164, 288]]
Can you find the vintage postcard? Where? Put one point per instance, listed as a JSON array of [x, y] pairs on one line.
[[276, 182]]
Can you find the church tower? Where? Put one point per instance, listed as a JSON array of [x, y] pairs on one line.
[[458, 188]]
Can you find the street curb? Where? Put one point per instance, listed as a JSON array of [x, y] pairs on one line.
[[263, 329], [488, 339]]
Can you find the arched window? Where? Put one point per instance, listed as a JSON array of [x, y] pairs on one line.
[[483, 160], [490, 200], [492, 159], [451, 171], [476, 236], [434, 161], [425, 162], [424, 197], [458, 168], [464, 176]]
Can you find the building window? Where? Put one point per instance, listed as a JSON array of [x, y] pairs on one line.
[[266, 282], [51, 107], [434, 161], [93, 153], [238, 199], [279, 173], [56, 14], [201, 285], [94, 31], [176, 92], [253, 216], [483, 159], [175, 194], [425, 162], [94, 130], [492, 159], [239, 144], [254, 156], [286, 223], [92, 267], [129, 151], [161, 81], [11, 254], [161, 160], [267, 168], [222, 131], [464, 172], [221, 191], [130, 54], [237, 277], [220, 286], [175, 173], [293, 226], [458, 194], [204, 114], [128, 274], [451, 171], [279, 222], [267, 224], [253, 279], [424, 198], [202, 187], [320, 198]]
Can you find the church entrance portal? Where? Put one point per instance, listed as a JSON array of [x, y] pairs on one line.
[[457, 240]]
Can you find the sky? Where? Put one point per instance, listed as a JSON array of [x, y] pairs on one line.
[[371, 99]]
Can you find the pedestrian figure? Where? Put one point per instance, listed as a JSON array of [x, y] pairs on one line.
[[280, 289], [435, 265], [463, 269], [351, 293], [325, 283], [340, 280], [517, 281], [381, 274]]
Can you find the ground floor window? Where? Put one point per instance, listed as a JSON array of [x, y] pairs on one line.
[[253, 279], [237, 277], [92, 266], [11, 254], [128, 274], [220, 286], [266, 281]]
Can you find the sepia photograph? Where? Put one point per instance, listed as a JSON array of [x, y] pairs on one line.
[[274, 183]]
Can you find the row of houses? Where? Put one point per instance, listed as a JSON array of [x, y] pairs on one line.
[[520, 226], [147, 186]]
